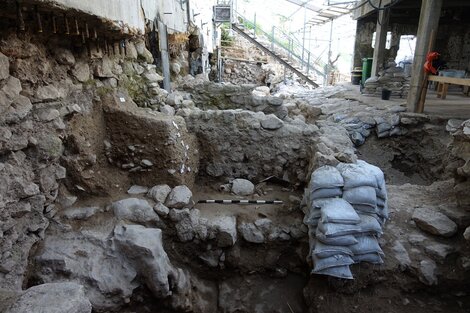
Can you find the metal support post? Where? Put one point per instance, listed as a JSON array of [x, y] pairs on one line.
[[162, 31]]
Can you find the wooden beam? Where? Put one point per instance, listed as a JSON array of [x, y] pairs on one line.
[[450, 80]]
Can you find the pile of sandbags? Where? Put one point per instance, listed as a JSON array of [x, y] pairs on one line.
[[393, 78], [346, 209]]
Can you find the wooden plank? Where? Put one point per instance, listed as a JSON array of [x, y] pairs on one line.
[[450, 80]]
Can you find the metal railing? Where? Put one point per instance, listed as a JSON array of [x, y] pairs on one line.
[[288, 44]]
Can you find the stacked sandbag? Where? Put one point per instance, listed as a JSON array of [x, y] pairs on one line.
[[346, 209]]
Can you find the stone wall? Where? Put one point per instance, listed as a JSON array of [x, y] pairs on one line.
[[52, 131], [237, 143]]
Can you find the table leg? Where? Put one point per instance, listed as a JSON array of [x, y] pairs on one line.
[[444, 91]]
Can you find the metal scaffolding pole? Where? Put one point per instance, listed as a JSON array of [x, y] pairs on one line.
[[327, 74]]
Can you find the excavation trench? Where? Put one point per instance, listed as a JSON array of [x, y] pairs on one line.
[[266, 270], [71, 158]]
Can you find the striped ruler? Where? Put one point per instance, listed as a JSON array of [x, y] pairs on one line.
[[242, 201]]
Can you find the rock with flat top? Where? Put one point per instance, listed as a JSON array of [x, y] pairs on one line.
[[434, 222], [137, 190], [135, 210]]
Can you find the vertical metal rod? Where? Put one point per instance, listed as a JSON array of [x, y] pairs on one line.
[[308, 62], [329, 55], [87, 31], [120, 46], [83, 37], [303, 39], [19, 15], [95, 34], [38, 18], [106, 48], [54, 25], [254, 27], [67, 29], [272, 38], [77, 31]]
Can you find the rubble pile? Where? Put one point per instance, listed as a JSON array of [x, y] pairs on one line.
[[460, 131], [393, 78], [346, 210]]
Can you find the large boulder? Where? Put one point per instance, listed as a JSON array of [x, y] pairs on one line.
[[87, 258], [434, 222], [67, 297], [144, 248]]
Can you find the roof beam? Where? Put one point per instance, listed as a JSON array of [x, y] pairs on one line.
[[306, 5]]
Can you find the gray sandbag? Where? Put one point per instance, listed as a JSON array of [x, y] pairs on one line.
[[379, 175], [382, 211], [334, 230], [374, 170], [339, 272], [364, 195], [380, 202], [325, 251], [326, 177], [326, 193], [365, 245], [312, 218], [365, 209], [332, 261], [373, 258], [346, 240], [355, 175], [339, 211], [319, 203], [370, 224]]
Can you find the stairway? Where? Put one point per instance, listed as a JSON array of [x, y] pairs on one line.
[[279, 57]]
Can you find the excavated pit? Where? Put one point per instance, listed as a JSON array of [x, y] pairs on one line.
[[110, 144]]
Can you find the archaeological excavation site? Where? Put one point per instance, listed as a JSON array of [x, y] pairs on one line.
[[210, 156]]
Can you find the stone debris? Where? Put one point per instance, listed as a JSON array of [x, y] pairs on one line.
[[434, 222]]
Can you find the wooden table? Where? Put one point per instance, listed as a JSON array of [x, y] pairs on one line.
[[444, 83]]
